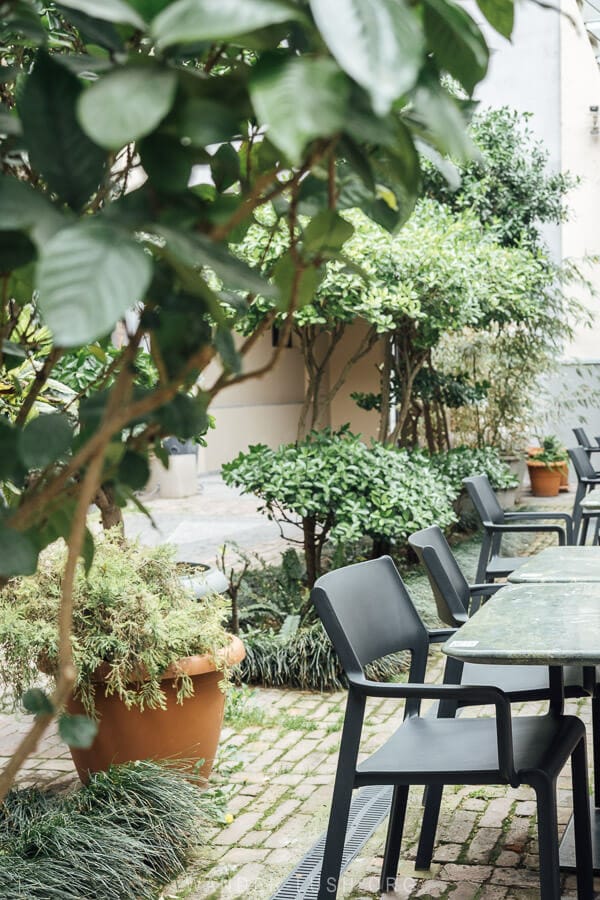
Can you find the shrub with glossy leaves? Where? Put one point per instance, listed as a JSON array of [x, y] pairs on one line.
[[333, 486], [463, 462]]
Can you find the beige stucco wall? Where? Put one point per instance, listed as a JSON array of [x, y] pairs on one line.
[[364, 377], [260, 410], [580, 154]]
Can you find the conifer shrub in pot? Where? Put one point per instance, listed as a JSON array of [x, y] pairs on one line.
[[151, 660]]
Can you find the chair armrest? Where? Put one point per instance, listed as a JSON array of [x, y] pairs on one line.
[[536, 516], [439, 635], [466, 695], [507, 529]]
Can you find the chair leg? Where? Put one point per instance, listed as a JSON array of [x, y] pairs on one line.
[[394, 838], [579, 495], [431, 814], [585, 524], [336, 836], [484, 556], [581, 816], [545, 790]]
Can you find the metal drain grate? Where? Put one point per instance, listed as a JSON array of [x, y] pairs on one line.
[[369, 808]]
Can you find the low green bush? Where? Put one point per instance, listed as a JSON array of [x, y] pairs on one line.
[[124, 836], [336, 488], [464, 462]]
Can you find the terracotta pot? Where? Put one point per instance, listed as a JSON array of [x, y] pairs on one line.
[[564, 476], [187, 731], [545, 479]]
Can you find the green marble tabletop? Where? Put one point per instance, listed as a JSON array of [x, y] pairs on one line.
[[559, 565], [533, 624]]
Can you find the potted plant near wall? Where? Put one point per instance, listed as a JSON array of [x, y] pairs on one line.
[[547, 467], [151, 660]]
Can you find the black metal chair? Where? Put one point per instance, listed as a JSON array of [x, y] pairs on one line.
[[455, 600], [496, 523], [584, 506], [584, 440], [368, 614]]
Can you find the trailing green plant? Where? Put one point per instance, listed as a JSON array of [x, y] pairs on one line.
[[123, 836], [132, 620], [335, 488], [463, 462]]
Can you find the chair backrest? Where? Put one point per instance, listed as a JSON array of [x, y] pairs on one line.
[[449, 585], [484, 499], [367, 612], [582, 464], [582, 438]]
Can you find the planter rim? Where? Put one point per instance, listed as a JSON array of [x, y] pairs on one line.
[[199, 664], [536, 464]]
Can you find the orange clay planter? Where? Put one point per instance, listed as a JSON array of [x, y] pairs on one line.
[[187, 731], [545, 477]]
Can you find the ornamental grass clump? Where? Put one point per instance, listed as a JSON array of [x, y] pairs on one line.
[[122, 837], [132, 620]]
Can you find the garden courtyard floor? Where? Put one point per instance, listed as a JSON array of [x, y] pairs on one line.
[[278, 760]]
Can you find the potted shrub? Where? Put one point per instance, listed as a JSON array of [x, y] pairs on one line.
[[151, 660], [547, 466]]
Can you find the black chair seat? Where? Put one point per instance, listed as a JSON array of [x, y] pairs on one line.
[[463, 751], [501, 566]]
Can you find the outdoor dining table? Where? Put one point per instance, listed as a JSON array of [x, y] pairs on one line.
[[549, 624], [559, 565]]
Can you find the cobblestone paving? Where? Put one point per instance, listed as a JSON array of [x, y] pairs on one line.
[[286, 745]]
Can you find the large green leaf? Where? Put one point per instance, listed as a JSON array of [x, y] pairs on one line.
[[500, 14], [44, 440], [379, 43], [77, 731], [127, 104], [187, 21], [299, 286], [457, 43], [18, 553], [195, 251], [88, 276], [298, 100], [110, 10], [23, 208], [327, 233], [70, 163], [94, 31]]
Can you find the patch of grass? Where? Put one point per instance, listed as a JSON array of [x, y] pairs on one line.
[[288, 722], [240, 710], [122, 837]]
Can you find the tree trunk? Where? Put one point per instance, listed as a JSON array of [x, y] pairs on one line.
[[386, 375], [429, 433], [310, 550], [110, 513]]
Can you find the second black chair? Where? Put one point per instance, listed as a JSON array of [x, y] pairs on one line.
[[497, 523]]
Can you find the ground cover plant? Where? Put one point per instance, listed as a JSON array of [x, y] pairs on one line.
[[122, 837], [95, 96]]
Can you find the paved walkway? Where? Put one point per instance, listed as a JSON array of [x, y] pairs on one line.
[[279, 754]]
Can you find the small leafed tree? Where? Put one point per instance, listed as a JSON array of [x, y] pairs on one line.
[[334, 487], [138, 138]]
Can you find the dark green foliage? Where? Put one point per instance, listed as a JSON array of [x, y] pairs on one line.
[[508, 185], [122, 837]]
